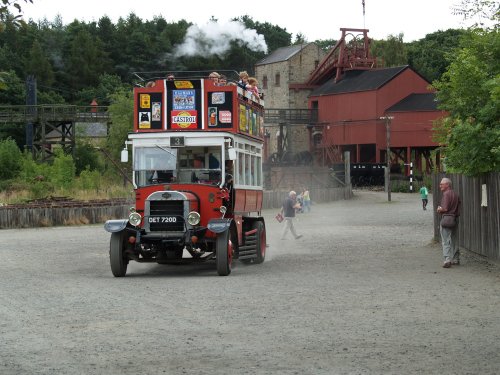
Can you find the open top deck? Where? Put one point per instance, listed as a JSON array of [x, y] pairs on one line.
[[197, 104]]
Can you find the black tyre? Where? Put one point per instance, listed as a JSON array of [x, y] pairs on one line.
[[261, 242], [224, 253], [117, 257]]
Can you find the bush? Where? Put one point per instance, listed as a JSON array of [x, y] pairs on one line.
[[40, 189], [90, 180], [86, 157], [63, 171], [10, 159]]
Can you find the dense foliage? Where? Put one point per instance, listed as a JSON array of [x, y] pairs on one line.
[[10, 159], [80, 61], [470, 91]]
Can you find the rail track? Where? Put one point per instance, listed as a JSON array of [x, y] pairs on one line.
[[63, 202]]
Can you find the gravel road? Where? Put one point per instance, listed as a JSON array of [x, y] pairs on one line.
[[363, 292]]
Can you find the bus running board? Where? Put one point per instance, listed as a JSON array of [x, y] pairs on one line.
[[249, 249]]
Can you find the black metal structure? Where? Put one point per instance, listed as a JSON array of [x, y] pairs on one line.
[[40, 120]]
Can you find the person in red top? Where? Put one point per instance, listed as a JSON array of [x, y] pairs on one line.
[[450, 204], [252, 87]]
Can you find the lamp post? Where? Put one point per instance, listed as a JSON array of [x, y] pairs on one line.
[[388, 159]]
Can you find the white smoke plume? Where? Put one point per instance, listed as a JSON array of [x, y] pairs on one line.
[[215, 39]]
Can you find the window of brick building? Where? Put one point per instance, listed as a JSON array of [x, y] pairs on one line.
[[277, 79], [264, 82]]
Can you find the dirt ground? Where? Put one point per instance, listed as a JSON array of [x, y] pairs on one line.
[[363, 292]]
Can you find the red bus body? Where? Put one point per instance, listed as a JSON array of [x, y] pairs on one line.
[[197, 153]]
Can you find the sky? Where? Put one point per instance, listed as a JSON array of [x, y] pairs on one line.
[[414, 19]]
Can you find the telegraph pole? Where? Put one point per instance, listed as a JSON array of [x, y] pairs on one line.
[[31, 102], [387, 155]]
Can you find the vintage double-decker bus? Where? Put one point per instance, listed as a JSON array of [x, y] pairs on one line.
[[197, 151]]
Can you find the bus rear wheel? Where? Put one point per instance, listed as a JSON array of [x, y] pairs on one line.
[[261, 242]]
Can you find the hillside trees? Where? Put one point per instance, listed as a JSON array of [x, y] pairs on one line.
[[39, 65], [86, 58], [430, 56], [69, 59], [390, 52]]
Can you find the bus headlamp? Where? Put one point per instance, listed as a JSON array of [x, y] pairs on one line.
[[135, 219], [193, 218]]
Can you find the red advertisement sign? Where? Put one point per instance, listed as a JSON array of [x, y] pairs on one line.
[[184, 119]]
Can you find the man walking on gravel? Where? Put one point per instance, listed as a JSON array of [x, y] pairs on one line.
[[450, 204], [288, 211]]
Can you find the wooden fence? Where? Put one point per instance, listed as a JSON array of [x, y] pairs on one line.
[[479, 224], [79, 213], [47, 215]]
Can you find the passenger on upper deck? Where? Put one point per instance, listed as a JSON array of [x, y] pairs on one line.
[[214, 76], [243, 79], [222, 80], [252, 86]]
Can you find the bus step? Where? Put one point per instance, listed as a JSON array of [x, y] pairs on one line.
[[250, 232], [248, 257], [247, 252]]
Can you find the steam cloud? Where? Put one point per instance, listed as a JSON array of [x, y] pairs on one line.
[[215, 39]]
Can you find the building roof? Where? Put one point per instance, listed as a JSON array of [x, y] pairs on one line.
[[281, 54], [416, 103], [359, 80]]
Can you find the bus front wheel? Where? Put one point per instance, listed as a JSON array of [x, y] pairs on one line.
[[224, 253]]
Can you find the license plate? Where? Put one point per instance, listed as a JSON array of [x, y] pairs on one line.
[[162, 219]]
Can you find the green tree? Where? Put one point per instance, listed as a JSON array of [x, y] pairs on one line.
[[121, 111], [108, 84], [49, 97], [480, 10], [10, 159], [5, 15], [391, 52], [326, 44], [8, 58], [87, 59], [300, 39], [430, 56], [470, 91], [14, 92], [10, 52], [39, 66], [86, 157], [63, 170]]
